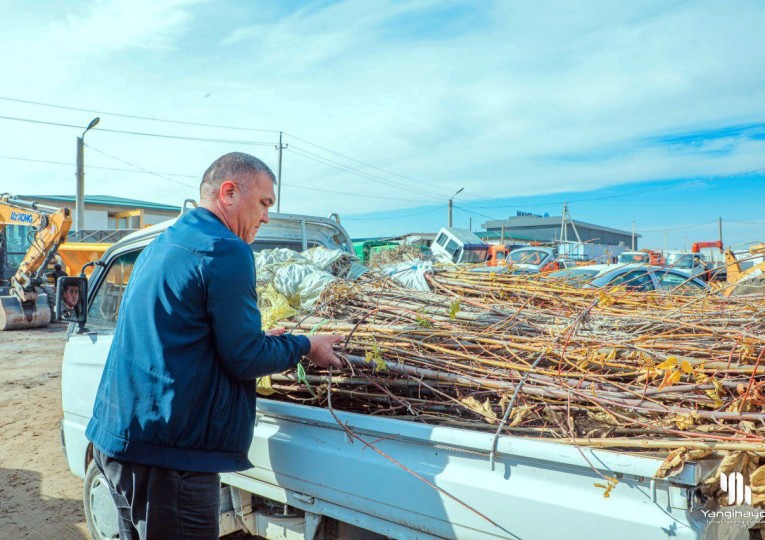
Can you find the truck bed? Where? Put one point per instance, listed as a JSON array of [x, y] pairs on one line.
[[536, 489]]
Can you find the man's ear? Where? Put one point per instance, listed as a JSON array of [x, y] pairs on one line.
[[226, 193]]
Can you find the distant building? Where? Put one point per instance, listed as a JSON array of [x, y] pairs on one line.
[[526, 228], [104, 212]]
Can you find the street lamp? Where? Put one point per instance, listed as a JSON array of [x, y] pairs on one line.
[[79, 205], [450, 204]]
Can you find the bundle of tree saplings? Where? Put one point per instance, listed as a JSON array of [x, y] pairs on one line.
[[681, 375]]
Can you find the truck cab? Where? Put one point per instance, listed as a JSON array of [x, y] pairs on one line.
[[497, 255], [646, 256], [459, 246], [692, 264]]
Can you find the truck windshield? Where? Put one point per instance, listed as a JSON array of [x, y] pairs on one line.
[[475, 255], [680, 260], [625, 258], [529, 256]]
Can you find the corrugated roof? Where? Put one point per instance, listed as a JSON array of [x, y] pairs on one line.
[[106, 200], [497, 235], [520, 222]]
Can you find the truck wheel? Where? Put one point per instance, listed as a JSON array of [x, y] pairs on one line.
[[100, 510]]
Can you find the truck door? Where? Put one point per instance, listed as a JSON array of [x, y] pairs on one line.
[[85, 354]]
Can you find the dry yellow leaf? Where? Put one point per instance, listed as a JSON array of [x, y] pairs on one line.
[[674, 462], [484, 409], [669, 363], [683, 421], [264, 387], [519, 414], [715, 398], [686, 366]]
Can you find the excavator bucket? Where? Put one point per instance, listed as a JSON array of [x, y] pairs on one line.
[[15, 315]]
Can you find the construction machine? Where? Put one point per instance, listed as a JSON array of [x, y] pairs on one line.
[[742, 279], [26, 301], [715, 272], [698, 246]]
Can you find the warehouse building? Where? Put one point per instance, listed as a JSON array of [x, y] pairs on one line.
[[525, 228]]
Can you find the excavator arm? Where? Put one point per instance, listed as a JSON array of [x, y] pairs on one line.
[[698, 246], [749, 281], [50, 227]]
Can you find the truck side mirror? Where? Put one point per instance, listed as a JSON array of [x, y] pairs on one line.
[[71, 299]]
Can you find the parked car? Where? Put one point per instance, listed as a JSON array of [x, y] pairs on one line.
[[525, 260], [532, 260], [635, 277]]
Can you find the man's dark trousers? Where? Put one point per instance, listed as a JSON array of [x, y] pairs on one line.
[[162, 504]]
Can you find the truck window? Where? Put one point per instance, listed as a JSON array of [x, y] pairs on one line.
[[452, 246], [635, 281], [678, 283], [103, 311], [441, 240]]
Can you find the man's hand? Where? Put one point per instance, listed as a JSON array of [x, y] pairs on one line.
[[276, 331], [321, 352]]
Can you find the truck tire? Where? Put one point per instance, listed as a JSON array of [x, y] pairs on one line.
[[100, 510]]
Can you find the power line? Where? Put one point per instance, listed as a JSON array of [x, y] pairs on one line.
[[117, 169], [135, 117], [147, 171], [326, 161], [137, 169], [216, 126], [365, 195], [677, 228], [449, 190], [744, 222], [392, 217], [476, 213], [144, 134]]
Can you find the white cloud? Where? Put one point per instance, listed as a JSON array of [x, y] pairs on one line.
[[494, 102]]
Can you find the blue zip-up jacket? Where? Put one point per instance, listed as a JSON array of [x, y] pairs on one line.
[[178, 388]]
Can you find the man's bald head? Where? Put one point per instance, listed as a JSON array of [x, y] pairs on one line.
[[232, 166]]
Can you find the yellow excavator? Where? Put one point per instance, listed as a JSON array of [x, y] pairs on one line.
[[745, 281], [26, 301]]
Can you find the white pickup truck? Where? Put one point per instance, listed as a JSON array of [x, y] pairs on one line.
[[310, 481]]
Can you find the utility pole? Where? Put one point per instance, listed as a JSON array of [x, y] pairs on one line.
[[719, 226], [502, 235], [633, 235], [279, 175], [470, 227], [450, 205], [79, 201]]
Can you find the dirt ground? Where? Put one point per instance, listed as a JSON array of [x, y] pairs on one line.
[[39, 497]]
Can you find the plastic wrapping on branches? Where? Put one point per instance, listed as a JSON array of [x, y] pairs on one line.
[[274, 307], [410, 274], [301, 277]]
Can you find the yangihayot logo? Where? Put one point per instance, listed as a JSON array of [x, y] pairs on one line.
[[733, 484]]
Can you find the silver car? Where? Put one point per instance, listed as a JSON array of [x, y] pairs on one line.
[[635, 277]]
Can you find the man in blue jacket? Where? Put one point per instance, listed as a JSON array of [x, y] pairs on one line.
[[176, 403]]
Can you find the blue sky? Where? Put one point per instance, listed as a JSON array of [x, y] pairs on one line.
[[651, 112]]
